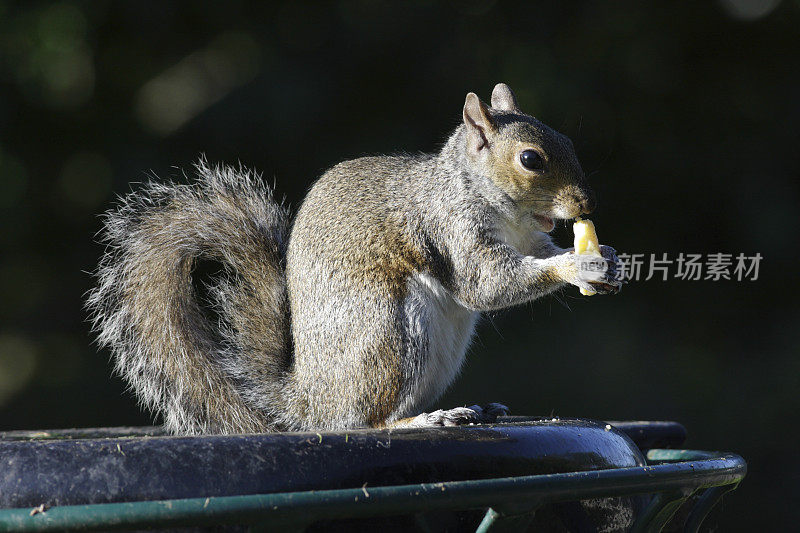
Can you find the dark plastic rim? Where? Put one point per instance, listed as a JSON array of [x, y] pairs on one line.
[[140, 468]]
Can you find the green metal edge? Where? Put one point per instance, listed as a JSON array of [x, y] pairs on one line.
[[298, 508]]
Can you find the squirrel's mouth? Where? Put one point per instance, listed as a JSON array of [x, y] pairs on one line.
[[545, 222]]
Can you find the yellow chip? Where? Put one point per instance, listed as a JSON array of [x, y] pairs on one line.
[[586, 242]]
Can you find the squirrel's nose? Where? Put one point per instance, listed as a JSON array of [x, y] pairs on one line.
[[588, 203]]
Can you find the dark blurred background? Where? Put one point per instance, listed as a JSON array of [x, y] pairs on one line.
[[685, 113]]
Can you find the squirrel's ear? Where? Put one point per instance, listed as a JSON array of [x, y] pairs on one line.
[[503, 98], [479, 123]]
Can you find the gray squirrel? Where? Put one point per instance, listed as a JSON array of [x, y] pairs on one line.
[[361, 314]]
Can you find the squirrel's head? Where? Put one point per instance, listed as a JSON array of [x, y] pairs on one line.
[[531, 163]]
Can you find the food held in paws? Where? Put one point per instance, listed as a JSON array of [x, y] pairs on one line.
[[586, 242]]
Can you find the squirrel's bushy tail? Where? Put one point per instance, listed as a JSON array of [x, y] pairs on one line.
[[202, 376]]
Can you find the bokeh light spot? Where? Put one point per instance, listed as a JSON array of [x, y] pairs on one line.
[[183, 91], [749, 9]]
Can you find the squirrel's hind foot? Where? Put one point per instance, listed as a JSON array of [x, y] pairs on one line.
[[459, 416]]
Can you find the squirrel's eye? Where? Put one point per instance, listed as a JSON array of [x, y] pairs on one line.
[[531, 160]]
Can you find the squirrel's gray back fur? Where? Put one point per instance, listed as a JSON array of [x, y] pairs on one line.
[[146, 311]]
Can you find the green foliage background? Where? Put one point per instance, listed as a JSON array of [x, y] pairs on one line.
[[685, 113]]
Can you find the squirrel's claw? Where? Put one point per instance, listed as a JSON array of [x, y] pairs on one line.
[[460, 416], [490, 411], [610, 283]]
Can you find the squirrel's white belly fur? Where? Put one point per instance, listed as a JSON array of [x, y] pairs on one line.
[[444, 329]]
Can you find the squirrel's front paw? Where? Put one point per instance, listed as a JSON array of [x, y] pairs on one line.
[[460, 416], [594, 273], [610, 282]]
